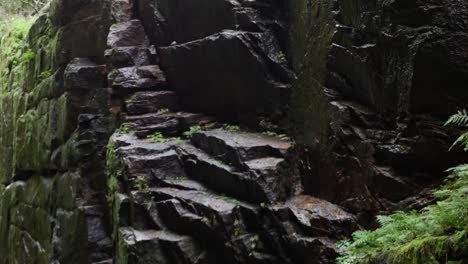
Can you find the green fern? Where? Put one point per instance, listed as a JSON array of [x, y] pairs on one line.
[[435, 233], [458, 119]]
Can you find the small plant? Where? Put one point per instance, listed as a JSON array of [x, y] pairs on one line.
[[181, 178], [231, 128], [28, 56], [45, 74], [193, 130], [157, 137], [238, 228], [177, 140], [124, 128], [139, 184], [253, 245], [163, 111], [280, 136], [230, 200]]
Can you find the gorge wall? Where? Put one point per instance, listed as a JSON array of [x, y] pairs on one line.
[[382, 77], [114, 143]]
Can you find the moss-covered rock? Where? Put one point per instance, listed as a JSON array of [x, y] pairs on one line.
[[42, 160]]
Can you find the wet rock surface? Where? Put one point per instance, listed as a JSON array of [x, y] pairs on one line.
[[222, 37], [391, 77], [181, 187], [205, 194]]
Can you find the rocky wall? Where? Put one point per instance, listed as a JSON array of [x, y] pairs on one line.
[[376, 80], [53, 126]]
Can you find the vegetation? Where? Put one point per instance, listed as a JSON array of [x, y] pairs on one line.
[[274, 134], [139, 184], [157, 137], [125, 128], [231, 128], [436, 234], [20, 7], [193, 130], [12, 34]]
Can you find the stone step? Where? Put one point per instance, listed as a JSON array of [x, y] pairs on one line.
[[147, 170], [126, 143], [262, 180], [168, 123], [159, 246], [121, 57], [152, 164], [237, 147], [217, 221], [151, 102], [317, 217], [139, 78], [222, 177], [230, 229], [127, 34]]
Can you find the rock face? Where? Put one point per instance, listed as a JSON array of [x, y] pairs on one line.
[[185, 189], [223, 37], [53, 132], [367, 85], [382, 77]]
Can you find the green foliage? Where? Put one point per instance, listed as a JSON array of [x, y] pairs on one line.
[[139, 184], [193, 130], [231, 128], [21, 7], [157, 137], [253, 245], [13, 48], [460, 119], [230, 200], [163, 111], [45, 74], [435, 233], [125, 128], [274, 134], [28, 56]]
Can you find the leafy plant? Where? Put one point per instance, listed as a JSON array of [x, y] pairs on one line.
[[163, 111], [28, 56], [193, 130], [253, 244], [460, 119], [231, 128], [124, 128], [139, 184], [280, 136], [45, 74], [157, 137], [437, 232]]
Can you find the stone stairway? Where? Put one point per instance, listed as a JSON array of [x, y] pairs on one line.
[[187, 189]]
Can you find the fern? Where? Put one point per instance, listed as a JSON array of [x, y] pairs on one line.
[[461, 141], [458, 119], [435, 233]]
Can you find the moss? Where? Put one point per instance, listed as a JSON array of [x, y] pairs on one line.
[[122, 254], [312, 30]]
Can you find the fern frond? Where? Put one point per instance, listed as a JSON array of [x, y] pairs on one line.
[[458, 119], [461, 141]]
